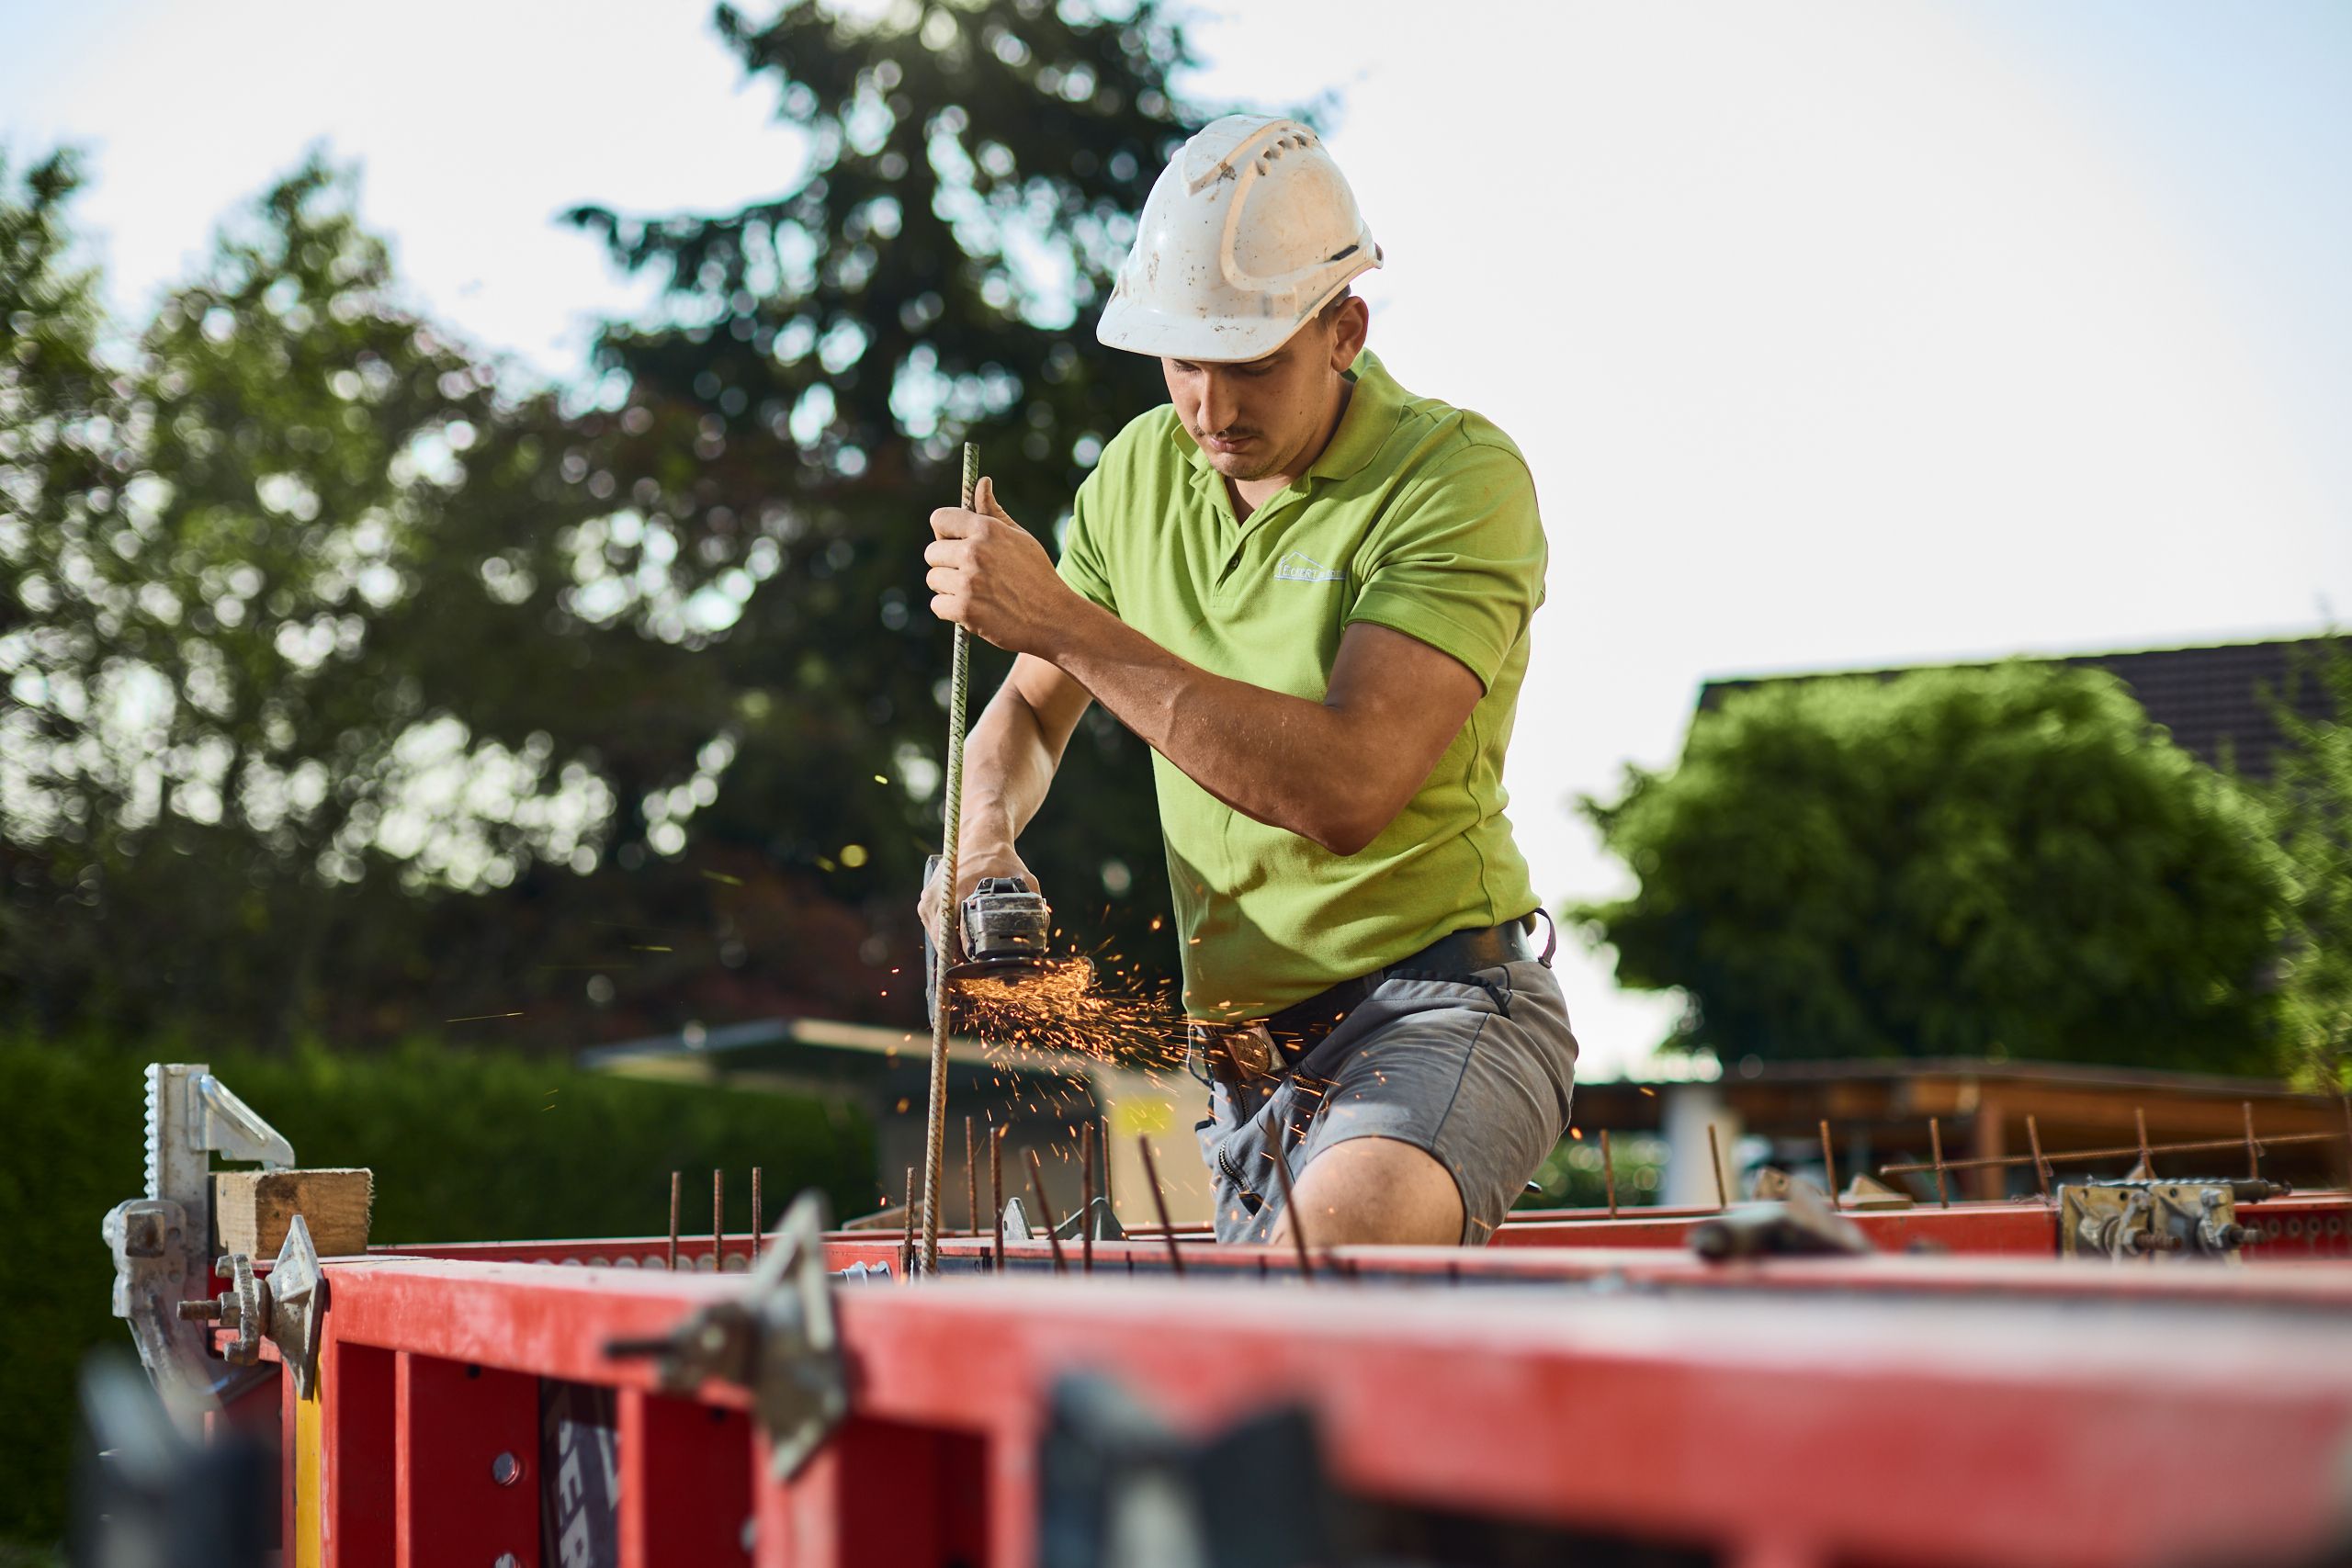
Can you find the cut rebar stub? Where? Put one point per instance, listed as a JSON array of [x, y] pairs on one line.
[[1290, 1212], [1044, 1210], [777, 1337], [1160, 1204]]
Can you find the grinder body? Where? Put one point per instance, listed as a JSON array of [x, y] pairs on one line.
[[1000, 929]]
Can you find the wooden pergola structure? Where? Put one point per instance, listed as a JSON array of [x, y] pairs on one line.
[[1880, 1114]]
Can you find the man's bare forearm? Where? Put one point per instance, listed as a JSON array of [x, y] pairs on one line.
[[1282, 760], [1009, 763], [1335, 771]]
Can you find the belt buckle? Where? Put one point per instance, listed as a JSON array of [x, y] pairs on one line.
[[1248, 1046]]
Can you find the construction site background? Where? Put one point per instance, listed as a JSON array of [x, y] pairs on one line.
[[415, 724]]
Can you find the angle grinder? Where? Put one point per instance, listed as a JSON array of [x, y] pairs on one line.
[[1002, 929]]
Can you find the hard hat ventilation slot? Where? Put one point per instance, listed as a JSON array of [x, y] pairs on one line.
[[1345, 252]]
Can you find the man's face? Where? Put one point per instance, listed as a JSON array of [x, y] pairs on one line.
[[1268, 416]]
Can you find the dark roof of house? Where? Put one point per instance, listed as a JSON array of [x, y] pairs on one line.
[[2214, 701]]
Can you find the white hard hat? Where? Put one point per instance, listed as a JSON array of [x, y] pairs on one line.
[[1248, 231]]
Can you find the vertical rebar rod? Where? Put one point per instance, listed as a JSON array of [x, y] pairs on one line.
[[675, 1177], [2147, 1160], [2253, 1149], [719, 1221], [1159, 1205], [1290, 1208], [907, 1244], [996, 1194], [2040, 1166], [1044, 1210], [959, 686], [1609, 1172], [971, 1182], [1935, 1142], [1086, 1197], [1829, 1165], [755, 1217], [1715, 1159]]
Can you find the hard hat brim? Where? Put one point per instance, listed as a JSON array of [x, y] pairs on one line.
[[1140, 329]]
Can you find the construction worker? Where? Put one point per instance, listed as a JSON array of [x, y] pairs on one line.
[[1308, 591]]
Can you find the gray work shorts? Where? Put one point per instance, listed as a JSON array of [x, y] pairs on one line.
[[1477, 1075]]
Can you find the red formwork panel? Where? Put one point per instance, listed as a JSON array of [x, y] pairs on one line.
[[2292, 1227], [466, 1456], [1790, 1412], [354, 1455], [677, 1508]]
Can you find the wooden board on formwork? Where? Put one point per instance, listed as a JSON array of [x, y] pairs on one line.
[[251, 1210]]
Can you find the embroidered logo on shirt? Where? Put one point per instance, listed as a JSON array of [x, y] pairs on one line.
[[1297, 567]]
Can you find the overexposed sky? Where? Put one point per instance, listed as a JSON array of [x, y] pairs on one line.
[[1836, 334]]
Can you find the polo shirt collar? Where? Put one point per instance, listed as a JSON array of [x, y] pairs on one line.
[[1373, 411]]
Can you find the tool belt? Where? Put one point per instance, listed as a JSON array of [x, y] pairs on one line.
[[1266, 1047]]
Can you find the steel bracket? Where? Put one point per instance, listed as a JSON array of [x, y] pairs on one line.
[[147, 1236], [2131, 1219], [297, 1294], [777, 1337], [1800, 1222]]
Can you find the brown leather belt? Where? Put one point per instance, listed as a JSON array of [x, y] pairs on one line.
[[1275, 1045]]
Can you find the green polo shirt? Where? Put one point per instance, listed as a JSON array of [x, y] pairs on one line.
[[1418, 516]]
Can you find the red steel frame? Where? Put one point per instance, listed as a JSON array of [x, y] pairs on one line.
[[1775, 1429], [1778, 1412], [2295, 1227]]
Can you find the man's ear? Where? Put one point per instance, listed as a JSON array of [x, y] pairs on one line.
[[1348, 333]]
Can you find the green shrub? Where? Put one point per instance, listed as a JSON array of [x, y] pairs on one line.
[[2005, 862], [466, 1146]]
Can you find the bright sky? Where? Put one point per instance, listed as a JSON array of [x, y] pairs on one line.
[[1836, 334]]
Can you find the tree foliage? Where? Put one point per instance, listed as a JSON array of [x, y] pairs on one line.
[[929, 278], [1985, 863], [279, 682], [2309, 800], [355, 682]]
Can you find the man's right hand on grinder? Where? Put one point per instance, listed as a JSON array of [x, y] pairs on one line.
[[972, 864]]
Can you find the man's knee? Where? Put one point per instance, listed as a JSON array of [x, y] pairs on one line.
[[1373, 1191]]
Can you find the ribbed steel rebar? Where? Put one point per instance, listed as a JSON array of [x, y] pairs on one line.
[[959, 687]]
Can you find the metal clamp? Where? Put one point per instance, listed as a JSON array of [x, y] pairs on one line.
[[147, 1236], [161, 1242], [284, 1308], [777, 1337], [243, 1308], [2131, 1219], [1799, 1224]]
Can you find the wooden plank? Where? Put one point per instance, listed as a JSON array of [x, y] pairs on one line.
[[251, 1210]]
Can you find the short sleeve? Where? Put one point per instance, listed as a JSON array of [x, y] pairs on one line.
[[1458, 563], [1081, 564]]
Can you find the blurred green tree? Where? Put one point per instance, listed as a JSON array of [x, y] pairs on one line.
[[291, 669], [2309, 799], [785, 427], [1964, 862], [354, 683]]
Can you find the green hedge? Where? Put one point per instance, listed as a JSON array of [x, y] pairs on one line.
[[466, 1146]]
